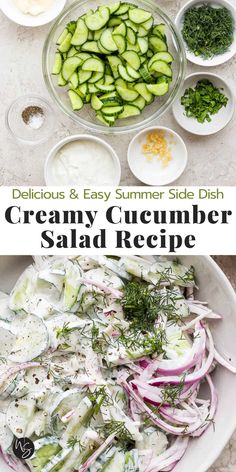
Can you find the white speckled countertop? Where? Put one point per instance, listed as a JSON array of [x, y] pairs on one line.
[[211, 159]]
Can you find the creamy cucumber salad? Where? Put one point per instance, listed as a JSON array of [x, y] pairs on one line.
[[102, 363], [115, 59]]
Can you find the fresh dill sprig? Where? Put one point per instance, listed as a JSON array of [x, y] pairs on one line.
[[171, 394], [143, 306], [118, 428], [135, 340], [100, 396]]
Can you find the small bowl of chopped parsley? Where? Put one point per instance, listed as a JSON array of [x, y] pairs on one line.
[[205, 105], [208, 29]]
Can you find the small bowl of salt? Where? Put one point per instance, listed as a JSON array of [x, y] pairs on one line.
[[30, 119]]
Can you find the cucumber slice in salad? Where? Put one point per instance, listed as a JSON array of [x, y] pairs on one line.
[[32, 339], [117, 41]]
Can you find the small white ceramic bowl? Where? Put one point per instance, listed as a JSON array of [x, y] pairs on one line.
[[152, 172], [218, 59], [93, 139], [10, 9], [218, 121]]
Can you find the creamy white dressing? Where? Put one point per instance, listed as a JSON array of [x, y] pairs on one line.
[[33, 7], [83, 162]]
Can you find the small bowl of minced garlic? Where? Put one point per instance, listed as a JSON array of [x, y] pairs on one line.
[[157, 156]]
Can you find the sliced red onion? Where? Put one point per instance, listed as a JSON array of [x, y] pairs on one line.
[[154, 395], [212, 410], [176, 430], [13, 463], [17, 368], [168, 458], [101, 286], [178, 366], [193, 377], [90, 461]]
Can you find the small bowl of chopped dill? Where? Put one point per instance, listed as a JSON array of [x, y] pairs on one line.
[[205, 105], [208, 29]]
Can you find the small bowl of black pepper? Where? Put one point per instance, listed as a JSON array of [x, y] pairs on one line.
[[30, 119]]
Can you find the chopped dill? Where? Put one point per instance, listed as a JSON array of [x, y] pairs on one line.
[[118, 428], [208, 30]]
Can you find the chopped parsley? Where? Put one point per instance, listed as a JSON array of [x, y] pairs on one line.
[[207, 30], [203, 101]]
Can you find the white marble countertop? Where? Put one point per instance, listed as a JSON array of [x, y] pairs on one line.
[[211, 159]]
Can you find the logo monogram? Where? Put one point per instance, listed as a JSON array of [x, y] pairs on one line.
[[23, 448]]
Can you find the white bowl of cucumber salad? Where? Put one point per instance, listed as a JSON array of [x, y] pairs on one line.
[[114, 67], [116, 364]]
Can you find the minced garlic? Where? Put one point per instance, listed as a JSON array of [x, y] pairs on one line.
[[157, 146]]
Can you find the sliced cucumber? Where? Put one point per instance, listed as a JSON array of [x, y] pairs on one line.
[[124, 8], [96, 103], [81, 33], [93, 65], [122, 52], [160, 29], [95, 77], [157, 44], [76, 100], [62, 36], [127, 95], [129, 110], [57, 64], [139, 102], [97, 34], [131, 36], [120, 30], [84, 76], [144, 72], [132, 72], [74, 80], [72, 52], [61, 82], [123, 73], [105, 87], [132, 58], [19, 414], [66, 43], [158, 89], [161, 56], [143, 91], [113, 7], [107, 41], [143, 45], [139, 16], [120, 42], [148, 24], [112, 111], [97, 20], [114, 62], [45, 450], [70, 65], [91, 46], [161, 67], [114, 22], [32, 339]]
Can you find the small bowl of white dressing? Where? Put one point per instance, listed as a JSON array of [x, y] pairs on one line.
[[82, 160]]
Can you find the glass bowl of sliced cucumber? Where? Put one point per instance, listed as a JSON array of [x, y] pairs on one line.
[[114, 66]]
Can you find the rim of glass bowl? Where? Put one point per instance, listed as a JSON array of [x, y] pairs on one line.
[[179, 44]]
